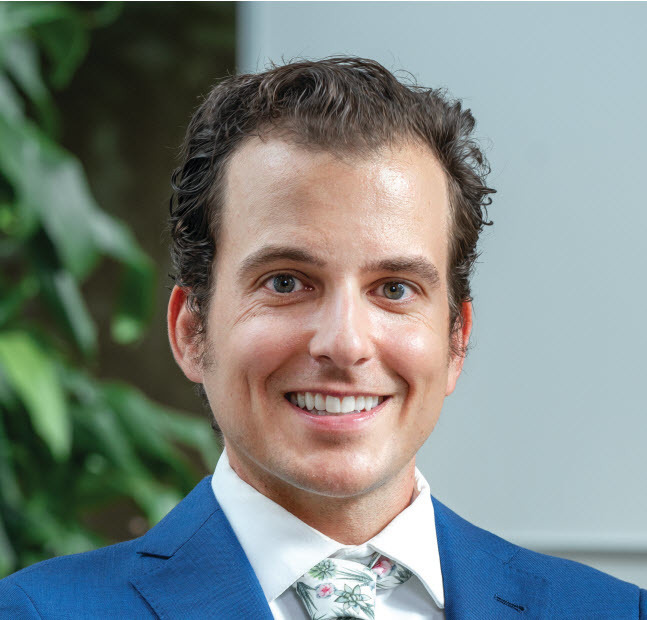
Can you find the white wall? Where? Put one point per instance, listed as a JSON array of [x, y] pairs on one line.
[[544, 440]]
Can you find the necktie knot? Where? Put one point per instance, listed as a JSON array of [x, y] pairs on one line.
[[336, 588]]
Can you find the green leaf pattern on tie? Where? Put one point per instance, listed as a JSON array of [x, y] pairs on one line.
[[336, 588], [353, 598], [324, 570]]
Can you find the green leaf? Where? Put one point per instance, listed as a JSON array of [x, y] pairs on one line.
[[57, 534], [9, 489], [135, 307], [66, 42], [141, 418], [194, 432], [155, 429], [15, 296], [7, 553], [125, 427], [60, 197], [17, 16], [80, 385], [11, 105], [8, 399], [78, 317], [20, 56], [32, 374], [135, 304], [79, 230], [64, 296], [19, 222], [107, 433], [7, 217]]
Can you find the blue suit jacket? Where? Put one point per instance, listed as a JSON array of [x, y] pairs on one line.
[[190, 565]]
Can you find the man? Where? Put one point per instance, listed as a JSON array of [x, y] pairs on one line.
[[324, 229]]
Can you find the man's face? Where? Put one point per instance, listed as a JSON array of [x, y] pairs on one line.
[[330, 279]]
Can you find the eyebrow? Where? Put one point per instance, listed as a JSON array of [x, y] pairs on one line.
[[418, 265]]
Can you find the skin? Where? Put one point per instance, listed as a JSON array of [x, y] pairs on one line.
[[336, 331]]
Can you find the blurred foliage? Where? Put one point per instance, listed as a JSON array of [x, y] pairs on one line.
[[70, 443]]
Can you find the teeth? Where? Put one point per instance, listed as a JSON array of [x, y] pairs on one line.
[[332, 404]]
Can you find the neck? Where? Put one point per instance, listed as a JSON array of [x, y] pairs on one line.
[[348, 520]]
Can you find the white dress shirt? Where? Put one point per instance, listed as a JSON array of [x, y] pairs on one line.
[[281, 548]]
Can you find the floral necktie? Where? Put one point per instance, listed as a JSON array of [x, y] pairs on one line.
[[337, 588]]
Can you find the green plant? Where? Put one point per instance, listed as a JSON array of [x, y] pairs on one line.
[[69, 443]]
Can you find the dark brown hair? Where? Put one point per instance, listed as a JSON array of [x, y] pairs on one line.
[[344, 104]]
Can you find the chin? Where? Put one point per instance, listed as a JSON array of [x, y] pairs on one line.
[[339, 478]]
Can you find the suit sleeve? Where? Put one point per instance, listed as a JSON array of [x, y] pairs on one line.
[[643, 605], [15, 604]]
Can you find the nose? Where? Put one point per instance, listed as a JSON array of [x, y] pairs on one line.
[[342, 333]]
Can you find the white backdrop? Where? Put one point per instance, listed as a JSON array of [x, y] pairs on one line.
[[544, 440]]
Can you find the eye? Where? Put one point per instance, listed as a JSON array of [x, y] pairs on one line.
[[394, 290], [284, 283]]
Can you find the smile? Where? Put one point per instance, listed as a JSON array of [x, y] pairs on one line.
[[321, 404]]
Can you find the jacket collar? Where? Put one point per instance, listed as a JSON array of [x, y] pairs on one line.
[[191, 565], [479, 578]]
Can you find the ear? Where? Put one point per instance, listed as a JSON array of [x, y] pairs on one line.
[[181, 327], [460, 339]]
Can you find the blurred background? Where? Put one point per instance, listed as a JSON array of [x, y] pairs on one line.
[[543, 441], [100, 433]]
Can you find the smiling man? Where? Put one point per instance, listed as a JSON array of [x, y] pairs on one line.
[[327, 336], [324, 227]]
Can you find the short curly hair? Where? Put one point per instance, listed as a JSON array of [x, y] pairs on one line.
[[341, 104]]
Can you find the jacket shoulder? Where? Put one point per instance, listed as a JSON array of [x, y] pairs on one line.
[[97, 584], [568, 572], [94, 583], [576, 590]]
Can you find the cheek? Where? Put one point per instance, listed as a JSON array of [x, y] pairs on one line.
[[246, 356], [260, 345], [419, 356]]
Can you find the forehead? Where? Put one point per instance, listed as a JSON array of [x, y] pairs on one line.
[[342, 206]]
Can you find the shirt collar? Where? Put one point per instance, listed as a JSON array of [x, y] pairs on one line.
[[285, 547]]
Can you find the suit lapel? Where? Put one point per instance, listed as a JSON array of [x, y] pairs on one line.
[[191, 564], [479, 579]]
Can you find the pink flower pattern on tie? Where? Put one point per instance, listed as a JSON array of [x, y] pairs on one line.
[[325, 590], [336, 588], [382, 567]]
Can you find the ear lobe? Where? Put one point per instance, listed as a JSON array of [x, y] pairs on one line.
[[181, 329], [461, 339]]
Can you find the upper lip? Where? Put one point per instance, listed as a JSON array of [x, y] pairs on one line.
[[337, 393]]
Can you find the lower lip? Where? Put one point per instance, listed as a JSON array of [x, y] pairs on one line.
[[346, 422]]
